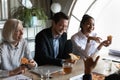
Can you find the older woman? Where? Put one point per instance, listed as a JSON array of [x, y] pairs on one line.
[[13, 48]]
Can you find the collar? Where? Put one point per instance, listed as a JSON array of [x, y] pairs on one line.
[[13, 47], [81, 34], [56, 37]]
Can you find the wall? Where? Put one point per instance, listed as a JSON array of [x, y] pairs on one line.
[[45, 4], [66, 4]]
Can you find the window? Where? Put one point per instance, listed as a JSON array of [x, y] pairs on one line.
[[107, 18], [79, 10], [3, 9]]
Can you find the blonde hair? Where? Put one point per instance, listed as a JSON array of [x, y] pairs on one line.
[[9, 28]]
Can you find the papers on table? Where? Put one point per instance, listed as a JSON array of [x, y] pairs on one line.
[[114, 52], [17, 77], [113, 55], [78, 77], [112, 58]]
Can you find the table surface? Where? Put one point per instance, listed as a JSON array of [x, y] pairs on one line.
[[78, 69]]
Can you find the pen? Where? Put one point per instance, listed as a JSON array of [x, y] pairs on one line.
[[115, 61], [111, 60]]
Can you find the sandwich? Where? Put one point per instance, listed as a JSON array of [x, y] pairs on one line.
[[74, 57]]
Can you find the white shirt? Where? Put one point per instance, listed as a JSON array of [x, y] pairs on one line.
[[81, 47], [10, 56], [56, 46]]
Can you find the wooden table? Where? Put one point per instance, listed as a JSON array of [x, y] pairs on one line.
[[78, 69]]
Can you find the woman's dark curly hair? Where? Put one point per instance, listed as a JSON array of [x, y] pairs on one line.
[[85, 18]]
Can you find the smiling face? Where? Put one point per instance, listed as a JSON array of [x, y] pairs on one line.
[[88, 26], [60, 27], [17, 35]]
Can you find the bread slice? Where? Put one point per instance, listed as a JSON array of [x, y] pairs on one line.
[[109, 38], [24, 60], [74, 57]]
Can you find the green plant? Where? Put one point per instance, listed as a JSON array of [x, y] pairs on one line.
[[26, 14]]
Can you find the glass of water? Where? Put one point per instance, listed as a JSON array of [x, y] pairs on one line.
[[108, 65]]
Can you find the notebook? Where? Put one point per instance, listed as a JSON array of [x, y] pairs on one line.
[[46, 69]]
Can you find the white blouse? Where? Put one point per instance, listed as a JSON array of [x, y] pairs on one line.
[[81, 47]]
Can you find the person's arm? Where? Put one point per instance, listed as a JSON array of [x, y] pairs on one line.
[[87, 77], [3, 73], [6, 73], [29, 56], [83, 47], [94, 38], [18, 70], [67, 49], [89, 65], [78, 46], [92, 44], [105, 43]]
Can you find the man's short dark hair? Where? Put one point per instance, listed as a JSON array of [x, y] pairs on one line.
[[58, 16]]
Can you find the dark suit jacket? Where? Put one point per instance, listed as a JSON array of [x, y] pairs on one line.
[[44, 52]]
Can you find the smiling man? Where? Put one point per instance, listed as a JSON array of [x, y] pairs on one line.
[[50, 42]]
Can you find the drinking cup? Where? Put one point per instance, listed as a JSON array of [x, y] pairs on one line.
[[67, 67]]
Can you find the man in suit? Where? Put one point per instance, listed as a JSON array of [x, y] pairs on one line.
[[50, 43]]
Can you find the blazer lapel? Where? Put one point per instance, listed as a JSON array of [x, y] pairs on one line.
[[51, 42], [60, 47]]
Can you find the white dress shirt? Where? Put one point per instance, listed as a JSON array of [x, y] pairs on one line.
[[81, 47], [56, 46]]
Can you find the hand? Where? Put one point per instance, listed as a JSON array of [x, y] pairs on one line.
[[90, 64], [18, 70], [109, 38], [27, 63], [70, 61], [31, 63], [97, 39], [106, 43]]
